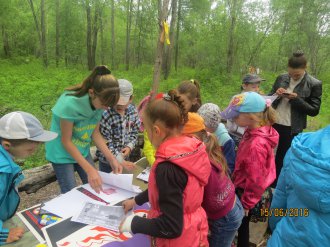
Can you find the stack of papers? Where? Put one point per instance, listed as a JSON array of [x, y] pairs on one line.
[[116, 188]]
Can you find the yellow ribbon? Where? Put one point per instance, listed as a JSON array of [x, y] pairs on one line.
[[167, 34]]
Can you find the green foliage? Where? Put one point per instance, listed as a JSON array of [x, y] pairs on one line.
[[26, 86]]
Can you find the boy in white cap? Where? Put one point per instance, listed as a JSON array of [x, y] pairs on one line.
[[20, 135], [119, 126]]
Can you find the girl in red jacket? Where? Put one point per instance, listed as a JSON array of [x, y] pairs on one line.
[[176, 182], [255, 163]]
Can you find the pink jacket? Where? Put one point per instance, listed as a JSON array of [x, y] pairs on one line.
[[255, 164], [189, 154]]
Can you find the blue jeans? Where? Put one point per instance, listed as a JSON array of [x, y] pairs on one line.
[[65, 174], [223, 230], [104, 167]]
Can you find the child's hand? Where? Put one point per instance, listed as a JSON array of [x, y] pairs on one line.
[[128, 205], [129, 166], [125, 225], [126, 151], [116, 167], [15, 234], [94, 179]]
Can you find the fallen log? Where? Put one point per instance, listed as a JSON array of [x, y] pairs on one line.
[[38, 177]]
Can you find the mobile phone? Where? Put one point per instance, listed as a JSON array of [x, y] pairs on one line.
[[286, 93]]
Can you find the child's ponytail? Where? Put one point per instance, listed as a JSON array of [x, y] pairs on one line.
[[269, 116], [192, 90], [266, 118], [175, 98], [169, 110], [102, 82], [215, 152]]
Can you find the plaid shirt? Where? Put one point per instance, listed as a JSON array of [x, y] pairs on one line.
[[119, 131]]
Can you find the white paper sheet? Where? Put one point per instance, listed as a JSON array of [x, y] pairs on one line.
[[111, 194], [144, 175], [122, 181], [116, 188], [68, 204]]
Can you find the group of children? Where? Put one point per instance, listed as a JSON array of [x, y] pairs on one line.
[[201, 191]]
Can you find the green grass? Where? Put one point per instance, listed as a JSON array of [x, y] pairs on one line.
[[26, 85]]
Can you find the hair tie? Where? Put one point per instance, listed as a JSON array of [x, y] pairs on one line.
[[167, 97], [102, 70], [268, 102]]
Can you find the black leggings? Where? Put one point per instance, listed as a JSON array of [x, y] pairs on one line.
[[244, 229], [244, 232], [284, 144]]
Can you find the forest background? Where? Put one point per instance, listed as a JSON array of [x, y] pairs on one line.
[[48, 45]]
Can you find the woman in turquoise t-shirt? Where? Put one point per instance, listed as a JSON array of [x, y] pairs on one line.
[[76, 117]]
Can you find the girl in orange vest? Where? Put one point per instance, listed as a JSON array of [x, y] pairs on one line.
[[176, 182]]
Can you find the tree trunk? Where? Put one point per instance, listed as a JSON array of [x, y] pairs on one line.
[[36, 24], [168, 53], [136, 40], [57, 39], [43, 33], [89, 36], [6, 48], [112, 34], [177, 35], [230, 49], [140, 44], [102, 41], [66, 56], [95, 32], [257, 48], [162, 14], [279, 50], [128, 31]]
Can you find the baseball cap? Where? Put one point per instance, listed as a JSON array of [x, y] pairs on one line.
[[248, 102], [252, 78], [211, 114], [125, 91], [194, 124], [23, 125]]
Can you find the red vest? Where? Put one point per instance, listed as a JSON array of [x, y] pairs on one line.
[[189, 154]]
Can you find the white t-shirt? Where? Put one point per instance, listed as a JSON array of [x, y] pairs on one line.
[[284, 107]]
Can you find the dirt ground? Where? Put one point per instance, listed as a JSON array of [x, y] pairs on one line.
[[46, 193]]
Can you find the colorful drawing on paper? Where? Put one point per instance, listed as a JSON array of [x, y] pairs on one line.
[[92, 236]]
